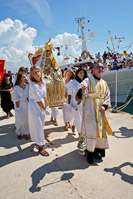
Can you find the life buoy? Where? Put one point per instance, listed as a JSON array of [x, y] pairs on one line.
[[85, 56]]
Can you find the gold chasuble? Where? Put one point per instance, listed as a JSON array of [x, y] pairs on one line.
[[97, 91], [95, 126]]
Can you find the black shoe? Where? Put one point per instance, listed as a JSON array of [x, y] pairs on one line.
[[97, 156], [89, 156], [90, 160], [102, 152]]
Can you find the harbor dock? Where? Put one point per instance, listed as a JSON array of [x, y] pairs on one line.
[[25, 174]]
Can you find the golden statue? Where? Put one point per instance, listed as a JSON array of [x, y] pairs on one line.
[[55, 86]]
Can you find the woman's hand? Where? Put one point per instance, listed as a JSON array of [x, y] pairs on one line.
[[41, 105], [83, 88], [46, 101], [7, 90], [66, 95], [79, 102], [102, 109]]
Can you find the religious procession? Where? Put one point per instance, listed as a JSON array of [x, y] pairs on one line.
[[44, 90], [66, 99]]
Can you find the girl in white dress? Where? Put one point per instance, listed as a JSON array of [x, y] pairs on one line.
[[37, 107], [20, 70], [67, 111], [20, 96], [80, 75]]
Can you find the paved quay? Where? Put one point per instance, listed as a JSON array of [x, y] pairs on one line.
[[25, 174]]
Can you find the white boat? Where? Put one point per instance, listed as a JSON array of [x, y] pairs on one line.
[[120, 83]]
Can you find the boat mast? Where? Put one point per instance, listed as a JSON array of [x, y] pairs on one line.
[[111, 38], [81, 25]]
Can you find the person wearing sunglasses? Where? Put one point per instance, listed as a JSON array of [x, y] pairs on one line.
[[95, 96]]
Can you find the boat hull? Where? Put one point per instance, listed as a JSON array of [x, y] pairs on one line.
[[124, 84]]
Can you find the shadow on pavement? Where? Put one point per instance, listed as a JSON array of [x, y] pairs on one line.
[[8, 138], [64, 177], [124, 133], [68, 162], [2, 117], [56, 143], [117, 170], [19, 155]]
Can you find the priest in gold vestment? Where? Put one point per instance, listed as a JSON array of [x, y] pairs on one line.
[[95, 94]]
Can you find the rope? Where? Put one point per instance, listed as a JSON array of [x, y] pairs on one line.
[[125, 105]]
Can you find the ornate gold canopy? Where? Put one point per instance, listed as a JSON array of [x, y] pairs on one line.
[[48, 45]]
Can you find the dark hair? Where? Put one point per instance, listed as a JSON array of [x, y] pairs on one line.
[[77, 77], [3, 82], [18, 80], [22, 69], [7, 74]]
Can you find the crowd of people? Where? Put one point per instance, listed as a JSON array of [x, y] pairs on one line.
[[111, 61], [26, 94]]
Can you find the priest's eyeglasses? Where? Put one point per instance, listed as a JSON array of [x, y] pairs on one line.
[[98, 67]]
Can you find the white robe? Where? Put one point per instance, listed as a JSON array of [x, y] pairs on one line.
[[90, 125], [21, 114], [67, 110], [76, 109], [54, 112], [36, 113]]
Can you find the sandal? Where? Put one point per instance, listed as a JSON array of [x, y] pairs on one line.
[[73, 129], [52, 119], [43, 152], [10, 114], [66, 128], [27, 137], [19, 137], [55, 123], [69, 125]]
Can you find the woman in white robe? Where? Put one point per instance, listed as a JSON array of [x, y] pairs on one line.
[[76, 107], [37, 108], [67, 110], [20, 96]]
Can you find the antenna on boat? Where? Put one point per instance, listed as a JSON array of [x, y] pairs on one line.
[[111, 38], [81, 25], [120, 39]]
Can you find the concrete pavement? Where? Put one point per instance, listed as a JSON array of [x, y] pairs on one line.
[[24, 174]]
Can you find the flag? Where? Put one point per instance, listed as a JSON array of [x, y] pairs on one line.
[[58, 51], [2, 64], [58, 48]]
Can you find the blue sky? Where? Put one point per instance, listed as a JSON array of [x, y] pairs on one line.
[[54, 17]]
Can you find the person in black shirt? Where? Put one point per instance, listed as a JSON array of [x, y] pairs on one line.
[[6, 102]]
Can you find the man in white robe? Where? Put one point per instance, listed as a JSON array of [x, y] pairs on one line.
[[95, 94]]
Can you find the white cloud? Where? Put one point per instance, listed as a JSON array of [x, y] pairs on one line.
[[16, 41], [73, 47]]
